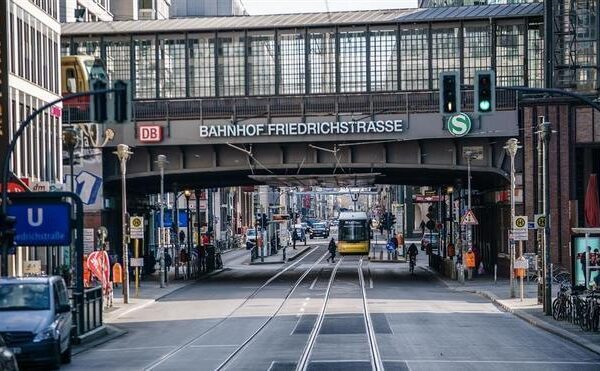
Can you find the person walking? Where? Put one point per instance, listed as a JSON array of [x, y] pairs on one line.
[[332, 248]]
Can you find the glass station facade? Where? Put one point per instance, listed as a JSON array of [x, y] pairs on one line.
[[358, 58]]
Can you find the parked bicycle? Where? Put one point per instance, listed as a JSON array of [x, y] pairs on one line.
[[561, 307]]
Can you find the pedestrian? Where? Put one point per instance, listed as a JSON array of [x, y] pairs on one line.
[[332, 248], [168, 260]]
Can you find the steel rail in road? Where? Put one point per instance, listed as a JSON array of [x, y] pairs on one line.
[[303, 362], [285, 298], [376, 362], [184, 346]]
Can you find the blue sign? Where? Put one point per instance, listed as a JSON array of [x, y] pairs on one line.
[[169, 218], [42, 224]]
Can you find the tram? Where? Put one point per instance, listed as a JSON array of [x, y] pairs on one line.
[[354, 233], [77, 72]]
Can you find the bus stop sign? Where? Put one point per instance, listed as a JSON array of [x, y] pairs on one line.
[[42, 224]]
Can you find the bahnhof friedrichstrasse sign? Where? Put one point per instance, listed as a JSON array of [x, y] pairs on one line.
[[301, 128]]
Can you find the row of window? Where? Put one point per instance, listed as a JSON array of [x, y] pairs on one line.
[[49, 7], [316, 62], [34, 54], [37, 155]]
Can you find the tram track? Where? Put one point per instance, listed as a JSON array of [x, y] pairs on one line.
[[375, 358], [252, 295]]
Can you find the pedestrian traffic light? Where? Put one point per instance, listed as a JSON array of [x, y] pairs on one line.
[[449, 85], [98, 108], [122, 101], [485, 91]]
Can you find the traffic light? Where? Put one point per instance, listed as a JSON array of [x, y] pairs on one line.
[[392, 220], [98, 108], [449, 92], [122, 101], [7, 230], [263, 221], [485, 91]]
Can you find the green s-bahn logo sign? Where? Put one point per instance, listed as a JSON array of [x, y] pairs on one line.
[[459, 124]]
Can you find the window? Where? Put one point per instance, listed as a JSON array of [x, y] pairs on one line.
[[261, 64], [118, 59], [353, 61], [535, 56], [292, 63], [322, 62], [477, 51], [384, 72], [445, 52], [172, 68], [202, 66], [509, 55], [414, 59], [231, 65], [145, 68]]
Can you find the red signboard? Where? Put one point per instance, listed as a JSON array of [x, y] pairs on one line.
[[150, 133], [424, 198], [55, 111], [14, 187]]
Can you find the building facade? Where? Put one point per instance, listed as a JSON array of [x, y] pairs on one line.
[[85, 11], [29, 79], [206, 8]]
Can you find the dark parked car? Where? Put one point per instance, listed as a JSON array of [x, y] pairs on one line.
[[8, 361], [35, 320], [319, 230]]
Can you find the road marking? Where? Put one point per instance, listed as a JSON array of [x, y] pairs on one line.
[[370, 282], [215, 346], [494, 361], [135, 348], [314, 282]]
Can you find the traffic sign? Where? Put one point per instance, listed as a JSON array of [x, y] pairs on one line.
[[43, 224], [520, 222], [469, 218], [521, 263], [136, 227], [540, 221], [459, 124]]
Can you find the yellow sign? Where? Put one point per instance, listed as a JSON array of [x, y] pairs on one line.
[[540, 221], [520, 222]]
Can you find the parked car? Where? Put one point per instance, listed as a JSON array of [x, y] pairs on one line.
[[430, 237], [319, 230], [8, 361], [250, 238], [35, 320]]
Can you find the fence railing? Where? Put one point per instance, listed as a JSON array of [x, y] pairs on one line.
[[87, 310], [245, 108]]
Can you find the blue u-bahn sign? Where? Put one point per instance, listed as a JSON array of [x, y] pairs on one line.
[[42, 224]]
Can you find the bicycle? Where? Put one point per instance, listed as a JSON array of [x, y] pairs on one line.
[[561, 307]]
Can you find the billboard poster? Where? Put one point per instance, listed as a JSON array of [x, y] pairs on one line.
[[579, 247], [87, 167]]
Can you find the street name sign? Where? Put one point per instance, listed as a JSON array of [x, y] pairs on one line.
[[42, 224], [459, 124]]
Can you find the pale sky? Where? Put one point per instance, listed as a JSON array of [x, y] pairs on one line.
[[254, 7]]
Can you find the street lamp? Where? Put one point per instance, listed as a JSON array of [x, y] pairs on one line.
[[469, 155], [545, 133], [70, 142], [511, 147], [123, 153], [188, 193], [161, 161]]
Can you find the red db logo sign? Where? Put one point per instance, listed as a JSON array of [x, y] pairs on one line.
[[150, 134]]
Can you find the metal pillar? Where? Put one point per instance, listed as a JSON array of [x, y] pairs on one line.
[[123, 153], [161, 161], [511, 148], [545, 132]]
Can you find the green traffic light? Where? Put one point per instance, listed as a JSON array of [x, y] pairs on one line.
[[484, 105]]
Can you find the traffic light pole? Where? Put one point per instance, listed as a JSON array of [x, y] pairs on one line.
[[6, 164]]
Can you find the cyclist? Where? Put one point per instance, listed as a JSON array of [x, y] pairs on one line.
[[412, 256]]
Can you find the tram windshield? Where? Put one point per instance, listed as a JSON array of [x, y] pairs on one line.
[[353, 230]]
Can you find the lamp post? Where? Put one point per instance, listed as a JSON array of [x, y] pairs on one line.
[[511, 147], [123, 153], [70, 142], [469, 155], [161, 161], [188, 193], [545, 133]]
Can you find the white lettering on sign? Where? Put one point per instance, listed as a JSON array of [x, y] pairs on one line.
[[40, 217], [302, 128], [150, 134]]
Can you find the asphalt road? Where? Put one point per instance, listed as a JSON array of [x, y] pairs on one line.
[[418, 325]]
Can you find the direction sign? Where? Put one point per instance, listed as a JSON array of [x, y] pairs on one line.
[[520, 222], [136, 227], [469, 218], [43, 224], [459, 124], [540, 221]]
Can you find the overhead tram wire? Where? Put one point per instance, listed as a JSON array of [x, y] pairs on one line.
[[285, 299], [175, 351]]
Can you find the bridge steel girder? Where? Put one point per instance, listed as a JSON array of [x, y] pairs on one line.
[[434, 162]]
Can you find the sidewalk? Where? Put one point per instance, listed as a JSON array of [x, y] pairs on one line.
[[291, 255], [528, 309], [379, 253]]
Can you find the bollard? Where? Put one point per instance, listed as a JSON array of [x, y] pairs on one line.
[[495, 273], [381, 255]]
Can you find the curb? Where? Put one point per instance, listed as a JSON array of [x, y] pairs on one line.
[[532, 320], [300, 253], [112, 332]]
